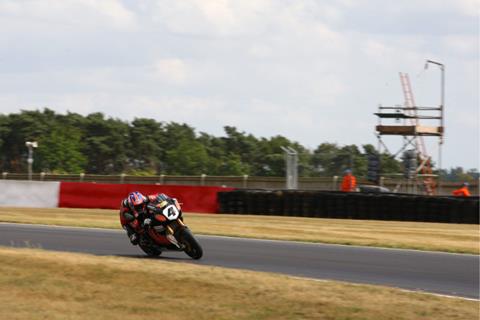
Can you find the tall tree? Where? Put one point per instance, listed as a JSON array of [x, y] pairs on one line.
[[5, 129], [147, 140], [324, 159], [187, 157], [25, 126], [106, 144], [60, 151]]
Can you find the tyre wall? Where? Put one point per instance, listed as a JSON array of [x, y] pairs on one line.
[[330, 204]]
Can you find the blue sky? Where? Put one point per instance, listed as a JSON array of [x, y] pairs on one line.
[[313, 71]]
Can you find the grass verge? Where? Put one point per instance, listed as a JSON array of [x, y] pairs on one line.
[[36, 284], [458, 238]]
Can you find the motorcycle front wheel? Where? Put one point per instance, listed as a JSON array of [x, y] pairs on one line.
[[192, 247]]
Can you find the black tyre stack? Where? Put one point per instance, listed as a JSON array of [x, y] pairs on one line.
[[340, 205]]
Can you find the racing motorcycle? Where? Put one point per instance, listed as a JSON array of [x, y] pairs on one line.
[[164, 229]]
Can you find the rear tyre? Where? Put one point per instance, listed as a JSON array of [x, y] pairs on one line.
[[150, 251], [192, 247]]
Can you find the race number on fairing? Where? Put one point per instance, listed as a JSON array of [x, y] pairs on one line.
[[170, 212]]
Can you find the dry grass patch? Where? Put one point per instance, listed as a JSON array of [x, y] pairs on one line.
[[37, 284], [460, 238], [95, 218]]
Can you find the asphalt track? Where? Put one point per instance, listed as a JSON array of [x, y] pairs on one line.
[[442, 273]]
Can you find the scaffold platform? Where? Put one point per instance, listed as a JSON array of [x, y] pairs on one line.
[[415, 130]]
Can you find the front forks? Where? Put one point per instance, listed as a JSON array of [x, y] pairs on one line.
[[172, 234]]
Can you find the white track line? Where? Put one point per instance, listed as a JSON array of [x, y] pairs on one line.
[[389, 287]]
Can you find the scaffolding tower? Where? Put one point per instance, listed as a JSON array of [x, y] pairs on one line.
[[412, 123]]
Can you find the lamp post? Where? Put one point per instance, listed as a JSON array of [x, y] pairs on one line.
[[30, 145], [442, 106]]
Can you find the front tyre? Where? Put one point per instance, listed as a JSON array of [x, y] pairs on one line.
[[192, 247]]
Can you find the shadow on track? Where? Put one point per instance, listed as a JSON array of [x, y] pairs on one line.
[[161, 257]]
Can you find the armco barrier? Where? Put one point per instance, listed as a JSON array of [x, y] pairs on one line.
[[269, 183], [330, 204], [108, 196]]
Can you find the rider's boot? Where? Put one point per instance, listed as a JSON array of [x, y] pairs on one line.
[[132, 235]]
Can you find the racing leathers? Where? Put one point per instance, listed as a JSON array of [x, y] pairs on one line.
[[135, 220]]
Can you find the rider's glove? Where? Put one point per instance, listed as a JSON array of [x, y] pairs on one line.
[[147, 222]]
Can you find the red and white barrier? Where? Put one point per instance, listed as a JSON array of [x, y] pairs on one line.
[[35, 194], [38, 194]]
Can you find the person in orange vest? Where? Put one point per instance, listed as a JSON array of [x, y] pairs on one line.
[[463, 191], [349, 182]]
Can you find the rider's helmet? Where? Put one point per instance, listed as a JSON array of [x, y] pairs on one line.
[[136, 201]]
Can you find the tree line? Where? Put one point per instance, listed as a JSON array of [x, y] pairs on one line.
[[95, 144]]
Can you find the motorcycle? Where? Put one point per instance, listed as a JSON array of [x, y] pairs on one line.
[[164, 229]]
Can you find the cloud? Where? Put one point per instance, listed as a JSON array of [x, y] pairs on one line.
[[173, 70], [256, 18], [468, 7], [84, 14], [409, 17], [212, 18], [465, 46], [260, 51]]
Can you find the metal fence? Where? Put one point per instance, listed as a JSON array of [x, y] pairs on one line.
[[250, 182]]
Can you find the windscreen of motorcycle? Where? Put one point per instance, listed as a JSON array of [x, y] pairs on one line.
[[171, 212]]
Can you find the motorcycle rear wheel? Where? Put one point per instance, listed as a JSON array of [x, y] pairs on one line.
[[192, 247], [150, 251]]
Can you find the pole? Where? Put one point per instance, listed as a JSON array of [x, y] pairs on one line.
[[442, 67], [439, 168], [442, 120], [30, 162], [350, 159], [335, 182], [291, 170], [30, 145], [295, 170], [442, 106]]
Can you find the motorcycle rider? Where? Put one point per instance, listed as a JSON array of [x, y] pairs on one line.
[[134, 212]]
